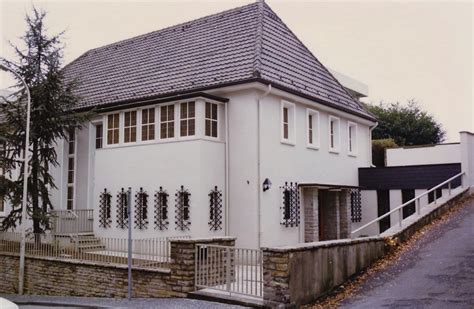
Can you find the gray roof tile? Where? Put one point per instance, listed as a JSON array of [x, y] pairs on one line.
[[242, 44]]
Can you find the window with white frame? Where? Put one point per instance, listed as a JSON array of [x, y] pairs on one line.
[[167, 121], [71, 169], [352, 138], [288, 122], [98, 136], [211, 120], [313, 128], [113, 129], [334, 134], [187, 119], [130, 127], [148, 124]]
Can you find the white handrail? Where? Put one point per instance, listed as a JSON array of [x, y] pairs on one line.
[[415, 199]]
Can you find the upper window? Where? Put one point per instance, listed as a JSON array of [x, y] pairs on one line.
[[334, 134], [72, 141], [113, 129], [288, 122], [313, 128], [352, 138], [98, 136], [130, 127], [187, 119], [211, 120], [148, 124], [167, 121]]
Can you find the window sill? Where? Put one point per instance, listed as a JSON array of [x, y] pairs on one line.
[[288, 142], [334, 151], [352, 154], [313, 147], [161, 142]]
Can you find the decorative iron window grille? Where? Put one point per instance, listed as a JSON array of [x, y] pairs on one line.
[[122, 209], [141, 210], [291, 205], [356, 205], [105, 217], [161, 210], [215, 209], [182, 211]]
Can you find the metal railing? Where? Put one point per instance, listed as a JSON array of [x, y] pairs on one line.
[[146, 253], [229, 269], [75, 221], [415, 200]]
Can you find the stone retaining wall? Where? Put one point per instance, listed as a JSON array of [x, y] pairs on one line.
[[45, 276], [297, 275]]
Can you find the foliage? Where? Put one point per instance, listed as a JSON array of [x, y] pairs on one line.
[[407, 124], [52, 100], [378, 150]]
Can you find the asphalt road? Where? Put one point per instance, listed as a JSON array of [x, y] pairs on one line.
[[436, 272]]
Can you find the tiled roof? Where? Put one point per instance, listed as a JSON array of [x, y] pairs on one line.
[[243, 44]]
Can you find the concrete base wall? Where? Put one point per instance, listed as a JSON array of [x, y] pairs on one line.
[[297, 276]]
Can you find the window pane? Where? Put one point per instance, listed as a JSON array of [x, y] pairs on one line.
[[208, 128], [184, 110], [164, 113], [214, 128], [171, 112], [184, 131], [208, 110], [151, 115], [310, 121], [191, 125], [151, 132], [285, 131], [145, 116], [191, 110], [285, 114], [214, 111], [170, 129]]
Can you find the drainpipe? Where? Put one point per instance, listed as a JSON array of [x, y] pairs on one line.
[[226, 112], [371, 164], [259, 155]]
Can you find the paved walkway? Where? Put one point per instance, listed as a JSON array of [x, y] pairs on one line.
[[40, 302], [437, 272]]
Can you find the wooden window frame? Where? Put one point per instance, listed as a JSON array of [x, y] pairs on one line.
[[114, 129], [211, 123], [148, 127], [187, 121], [312, 129], [334, 131], [167, 122], [352, 138], [129, 136], [288, 124]]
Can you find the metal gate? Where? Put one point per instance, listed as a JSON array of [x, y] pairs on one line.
[[229, 269]]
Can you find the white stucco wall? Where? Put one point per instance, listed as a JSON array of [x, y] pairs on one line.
[[437, 154]]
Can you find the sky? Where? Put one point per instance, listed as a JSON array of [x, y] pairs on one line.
[[402, 49]]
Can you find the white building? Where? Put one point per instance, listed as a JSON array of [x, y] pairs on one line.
[[203, 117]]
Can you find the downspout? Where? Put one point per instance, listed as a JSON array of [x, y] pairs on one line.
[[259, 162], [371, 164], [226, 113]]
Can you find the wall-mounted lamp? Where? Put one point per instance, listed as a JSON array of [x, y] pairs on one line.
[[267, 184]]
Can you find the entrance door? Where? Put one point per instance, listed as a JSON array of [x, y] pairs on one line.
[[383, 206], [408, 194]]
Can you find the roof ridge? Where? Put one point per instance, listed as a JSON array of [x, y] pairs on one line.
[[312, 54], [169, 28]]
